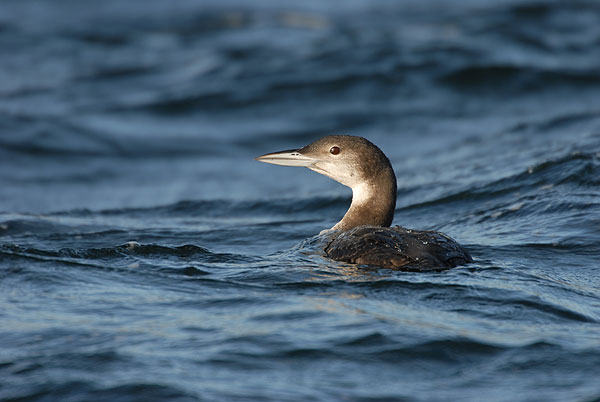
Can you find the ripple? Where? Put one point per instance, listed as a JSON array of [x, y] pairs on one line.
[[517, 78], [78, 390]]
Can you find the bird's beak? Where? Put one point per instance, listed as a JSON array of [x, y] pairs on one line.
[[291, 157]]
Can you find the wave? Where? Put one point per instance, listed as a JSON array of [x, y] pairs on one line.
[[382, 348], [89, 390], [133, 249], [188, 208], [57, 136], [582, 169], [499, 77]]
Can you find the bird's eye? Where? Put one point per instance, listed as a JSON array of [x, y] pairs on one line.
[[334, 150]]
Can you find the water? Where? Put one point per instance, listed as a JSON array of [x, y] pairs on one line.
[[145, 256]]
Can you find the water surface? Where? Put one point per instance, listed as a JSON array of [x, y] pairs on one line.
[[145, 256]]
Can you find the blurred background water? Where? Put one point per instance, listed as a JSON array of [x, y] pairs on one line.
[[145, 256]]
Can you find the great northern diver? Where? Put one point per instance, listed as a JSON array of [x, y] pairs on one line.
[[363, 236]]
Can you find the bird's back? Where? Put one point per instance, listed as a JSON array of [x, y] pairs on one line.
[[397, 248]]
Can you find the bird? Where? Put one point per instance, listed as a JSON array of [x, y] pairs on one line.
[[364, 236]]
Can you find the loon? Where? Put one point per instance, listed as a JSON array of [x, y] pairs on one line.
[[364, 235]]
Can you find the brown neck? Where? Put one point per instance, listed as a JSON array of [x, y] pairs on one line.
[[373, 202]]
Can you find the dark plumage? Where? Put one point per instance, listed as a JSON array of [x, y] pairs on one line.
[[397, 247]]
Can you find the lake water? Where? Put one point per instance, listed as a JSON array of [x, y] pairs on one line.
[[145, 256]]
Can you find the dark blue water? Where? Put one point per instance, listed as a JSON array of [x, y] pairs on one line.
[[145, 256]]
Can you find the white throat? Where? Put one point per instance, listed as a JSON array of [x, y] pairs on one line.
[[362, 193]]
